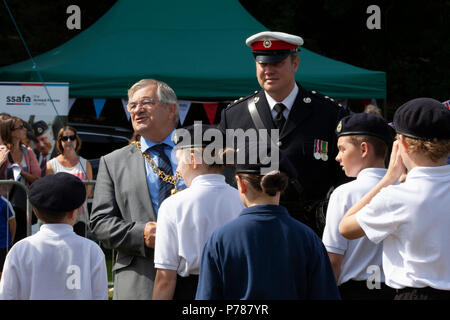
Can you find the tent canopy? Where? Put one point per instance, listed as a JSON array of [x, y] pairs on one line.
[[197, 47]]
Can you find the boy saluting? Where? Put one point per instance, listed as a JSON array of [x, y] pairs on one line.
[[412, 218]]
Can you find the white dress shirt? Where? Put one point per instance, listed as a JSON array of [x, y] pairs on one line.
[[288, 102]]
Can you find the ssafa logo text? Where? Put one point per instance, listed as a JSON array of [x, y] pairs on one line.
[[22, 100]]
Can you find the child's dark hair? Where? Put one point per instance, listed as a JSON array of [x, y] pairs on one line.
[[269, 184], [48, 216]]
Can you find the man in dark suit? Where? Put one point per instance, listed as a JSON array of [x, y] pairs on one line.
[[306, 121], [129, 189]]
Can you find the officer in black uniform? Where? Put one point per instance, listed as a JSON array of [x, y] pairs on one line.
[[306, 121]]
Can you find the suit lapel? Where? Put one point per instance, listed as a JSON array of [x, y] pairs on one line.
[[264, 110], [300, 112], [137, 166]]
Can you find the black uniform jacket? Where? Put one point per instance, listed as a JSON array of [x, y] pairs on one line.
[[311, 122]]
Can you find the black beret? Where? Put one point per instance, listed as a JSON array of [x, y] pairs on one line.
[[39, 128], [30, 131], [194, 136], [61, 192], [368, 124], [251, 159], [424, 119]]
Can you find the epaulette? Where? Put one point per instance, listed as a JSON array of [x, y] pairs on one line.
[[241, 99], [326, 98]]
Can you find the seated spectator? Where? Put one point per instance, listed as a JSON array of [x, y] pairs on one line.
[[55, 263]]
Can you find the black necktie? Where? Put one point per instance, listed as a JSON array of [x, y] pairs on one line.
[[279, 118], [165, 166]]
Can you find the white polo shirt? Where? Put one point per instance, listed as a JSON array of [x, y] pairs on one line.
[[413, 221], [187, 219], [359, 254], [54, 264]]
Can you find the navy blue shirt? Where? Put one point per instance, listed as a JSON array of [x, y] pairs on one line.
[[265, 254]]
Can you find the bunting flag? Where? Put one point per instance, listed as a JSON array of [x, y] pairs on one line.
[[211, 109], [124, 104], [183, 109], [71, 102], [99, 104], [447, 104]]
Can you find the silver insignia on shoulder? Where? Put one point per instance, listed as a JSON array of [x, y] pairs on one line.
[[256, 99]]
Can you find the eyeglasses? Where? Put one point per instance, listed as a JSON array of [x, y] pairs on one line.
[[145, 103], [65, 138], [18, 128]]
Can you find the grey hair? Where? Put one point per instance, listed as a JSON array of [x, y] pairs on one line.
[[164, 93]]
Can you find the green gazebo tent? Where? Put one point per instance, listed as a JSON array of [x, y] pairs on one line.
[[197, 47]]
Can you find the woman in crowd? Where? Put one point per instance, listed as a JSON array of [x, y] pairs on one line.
[[68, 144], [21, 165]]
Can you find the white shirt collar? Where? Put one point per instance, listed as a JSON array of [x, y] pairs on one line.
[[288, 101], [210, 178]]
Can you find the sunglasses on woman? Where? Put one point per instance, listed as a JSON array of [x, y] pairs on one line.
[[65, 138]]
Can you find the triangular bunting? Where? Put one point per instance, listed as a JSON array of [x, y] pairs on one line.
[[210, 109], [124, 104], [183, 109], [71, 102], [99, 104], [446, 104]]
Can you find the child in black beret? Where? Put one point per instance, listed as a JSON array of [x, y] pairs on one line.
[[412, 218], [363, 143], [55, 263]]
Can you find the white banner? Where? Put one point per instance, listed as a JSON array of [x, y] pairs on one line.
[[31, 99]]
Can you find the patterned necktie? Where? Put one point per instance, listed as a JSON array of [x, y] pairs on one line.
[[279, 118], [43, 165], [165, 166]]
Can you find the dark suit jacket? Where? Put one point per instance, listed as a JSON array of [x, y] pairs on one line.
[[313, 117], [120, 210]]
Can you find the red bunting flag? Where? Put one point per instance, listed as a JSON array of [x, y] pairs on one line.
[[211, 109], [447, 104]]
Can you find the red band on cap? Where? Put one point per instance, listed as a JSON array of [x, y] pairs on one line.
[[273, 45]]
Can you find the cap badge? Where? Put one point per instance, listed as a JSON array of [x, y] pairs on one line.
[[267, 43], [339, 127], [307, 100]]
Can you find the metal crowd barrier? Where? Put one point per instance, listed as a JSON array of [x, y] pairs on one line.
[[28, 204]]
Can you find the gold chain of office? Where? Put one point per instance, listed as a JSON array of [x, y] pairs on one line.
[[159, 173]]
